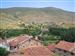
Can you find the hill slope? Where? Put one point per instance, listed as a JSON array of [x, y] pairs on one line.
[[10, 17]]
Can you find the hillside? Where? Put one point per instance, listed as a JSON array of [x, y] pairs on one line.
[[11, 17]]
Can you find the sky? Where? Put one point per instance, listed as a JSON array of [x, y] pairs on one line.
[[62, 4]]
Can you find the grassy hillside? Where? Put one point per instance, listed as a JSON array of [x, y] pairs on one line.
[[12, 17]]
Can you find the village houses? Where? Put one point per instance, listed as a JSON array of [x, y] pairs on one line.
[[25, 45], [63, 48]]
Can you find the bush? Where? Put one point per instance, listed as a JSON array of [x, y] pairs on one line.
[[3, 52]]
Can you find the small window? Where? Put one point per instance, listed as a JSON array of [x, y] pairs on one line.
[[59, 49], [72, 54], [64, 51], [14, 46]]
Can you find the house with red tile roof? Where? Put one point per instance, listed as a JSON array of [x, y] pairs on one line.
[[23, 41], [34, 51], [38, 51], [64, 48]]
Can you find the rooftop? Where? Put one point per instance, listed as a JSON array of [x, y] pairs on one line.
[[34, 51], [68, 46], [38, 51], [51, 47], [19, 39]]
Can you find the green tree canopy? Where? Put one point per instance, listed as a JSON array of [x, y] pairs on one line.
[[64, 33]]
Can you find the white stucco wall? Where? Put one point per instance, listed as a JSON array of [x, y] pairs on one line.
[[3, 45]]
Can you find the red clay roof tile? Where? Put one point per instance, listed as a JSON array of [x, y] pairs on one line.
[[19, 39], [51, 47], [66, 46], [38, 51]]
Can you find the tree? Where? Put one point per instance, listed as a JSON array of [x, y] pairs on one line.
[[64, 33], [3, 52], [32, 29]]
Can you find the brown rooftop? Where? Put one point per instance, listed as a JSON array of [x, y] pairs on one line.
[[68, 46], [51, 47], [19, 39], [34, 51], [38, 51]]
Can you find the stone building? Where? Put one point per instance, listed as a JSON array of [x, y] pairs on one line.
[[24, 41]]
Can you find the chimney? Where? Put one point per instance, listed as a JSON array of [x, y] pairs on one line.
[[36, 37]]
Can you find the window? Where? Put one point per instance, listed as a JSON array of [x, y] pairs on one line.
[[72, 54]]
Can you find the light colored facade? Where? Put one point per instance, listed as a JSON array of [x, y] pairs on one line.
[[29, 43], [3, 45]]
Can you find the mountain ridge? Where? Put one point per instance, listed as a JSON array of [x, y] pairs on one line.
[[38, 15]]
